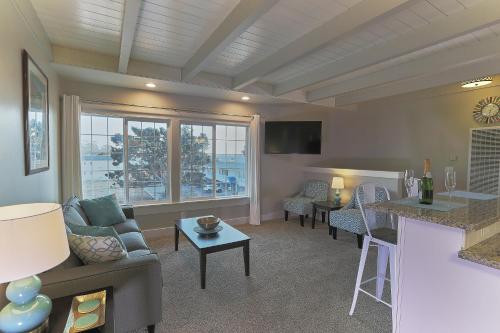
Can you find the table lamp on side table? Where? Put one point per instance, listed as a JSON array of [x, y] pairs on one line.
[[32, 240], [337, 185]]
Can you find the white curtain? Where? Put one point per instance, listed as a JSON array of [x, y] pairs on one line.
[[71, 170], [254, 170]]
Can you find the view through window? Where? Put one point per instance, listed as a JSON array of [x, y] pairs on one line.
[[209, 172], [129, 157], [139, 175]]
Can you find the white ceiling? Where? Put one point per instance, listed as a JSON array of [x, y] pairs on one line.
[[169, 33]]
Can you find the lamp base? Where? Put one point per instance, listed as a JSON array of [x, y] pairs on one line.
[[336, 200], [28, 310], [44, 328]]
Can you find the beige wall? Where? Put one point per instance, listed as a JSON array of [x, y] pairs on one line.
[[282, 175], [401, 131], [387, 134], [15, 187]]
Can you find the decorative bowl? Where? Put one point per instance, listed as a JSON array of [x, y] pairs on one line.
[[208, 222]]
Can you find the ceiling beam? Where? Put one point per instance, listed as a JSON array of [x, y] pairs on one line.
[[481, 15], [434, 63], [352, 20], [451, 76], [240, 19], [96, 67], [130, 17]]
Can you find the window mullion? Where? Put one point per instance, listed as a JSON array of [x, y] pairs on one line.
[[214, 157], [125, 159]]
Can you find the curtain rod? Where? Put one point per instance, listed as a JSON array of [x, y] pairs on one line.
[[88, 101]]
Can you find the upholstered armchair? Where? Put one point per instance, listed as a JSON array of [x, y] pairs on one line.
[[349, 218], [301, 203]]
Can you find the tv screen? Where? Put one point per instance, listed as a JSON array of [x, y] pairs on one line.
[[293, 137]]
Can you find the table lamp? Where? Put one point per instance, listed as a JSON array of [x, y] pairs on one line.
[[32, 240], [337, 185]]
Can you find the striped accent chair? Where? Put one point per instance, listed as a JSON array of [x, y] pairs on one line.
[[301, 203], [349, 218]]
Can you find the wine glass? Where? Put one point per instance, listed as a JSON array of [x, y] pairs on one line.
[[450, 180], [409, 181]]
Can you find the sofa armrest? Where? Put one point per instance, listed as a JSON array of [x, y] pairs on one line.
[[128, 211], [117, 267]]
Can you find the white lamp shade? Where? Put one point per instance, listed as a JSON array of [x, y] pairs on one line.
[[32, 240], [337, 183]]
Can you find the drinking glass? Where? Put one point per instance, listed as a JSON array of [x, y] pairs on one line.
[[409, 181], [450, 180]]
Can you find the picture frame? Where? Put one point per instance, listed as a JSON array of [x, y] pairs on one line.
[[36, 116]]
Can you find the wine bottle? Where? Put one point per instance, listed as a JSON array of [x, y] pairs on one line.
[[427, 187]]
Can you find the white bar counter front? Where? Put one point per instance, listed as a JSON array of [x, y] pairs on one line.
[[449, 267]]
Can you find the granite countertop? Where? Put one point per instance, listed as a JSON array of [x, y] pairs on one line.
[[485, 253], [477, 214]]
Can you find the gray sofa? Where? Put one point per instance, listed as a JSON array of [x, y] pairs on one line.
[[136, 280]]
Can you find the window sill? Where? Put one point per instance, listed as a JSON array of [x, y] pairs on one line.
[[172, 207]]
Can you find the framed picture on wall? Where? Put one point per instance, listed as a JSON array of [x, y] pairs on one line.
[[36, 116]]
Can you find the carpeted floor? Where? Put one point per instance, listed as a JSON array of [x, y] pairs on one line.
[[301, 280]]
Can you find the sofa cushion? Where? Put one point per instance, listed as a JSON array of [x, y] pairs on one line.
[[104, 211], [134, 241], [75, 203], [93, 250], [90, 230], [130, 225], [71, 216]]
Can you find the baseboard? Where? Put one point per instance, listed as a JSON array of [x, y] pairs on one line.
[[272, 216], [160, 232]]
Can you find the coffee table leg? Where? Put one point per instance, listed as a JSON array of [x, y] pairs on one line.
[[203, 269], [176, 238], [246, 257]]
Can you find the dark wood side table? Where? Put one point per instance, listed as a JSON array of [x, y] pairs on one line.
[[227, 238], [62, 306], [325, 206]]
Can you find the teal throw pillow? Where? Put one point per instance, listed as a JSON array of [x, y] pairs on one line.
[[103, 211], [96, 232], [71, 216]]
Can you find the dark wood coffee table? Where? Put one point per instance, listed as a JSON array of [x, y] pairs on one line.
[[326, 206], [227, 238]]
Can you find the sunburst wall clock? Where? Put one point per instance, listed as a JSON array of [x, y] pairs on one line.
[[487, 111]]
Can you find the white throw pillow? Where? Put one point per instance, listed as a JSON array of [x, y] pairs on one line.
[[92, 250]]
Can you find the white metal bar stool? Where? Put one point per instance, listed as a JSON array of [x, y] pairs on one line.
[[382, 234]]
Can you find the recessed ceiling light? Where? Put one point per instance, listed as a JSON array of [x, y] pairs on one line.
[[245, 98], [477, 82], [150, 85]]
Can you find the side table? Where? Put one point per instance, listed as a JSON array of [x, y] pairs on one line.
[[326, 206], [62, 306]]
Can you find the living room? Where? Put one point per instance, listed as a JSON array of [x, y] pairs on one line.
[[157, 113]]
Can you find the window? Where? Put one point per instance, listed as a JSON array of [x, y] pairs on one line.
[[101, 150], [209, 172], [147, 166], [140, 174], [231, 160], [129, 156]]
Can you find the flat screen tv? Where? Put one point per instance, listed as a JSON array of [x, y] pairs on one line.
[[293, 137]]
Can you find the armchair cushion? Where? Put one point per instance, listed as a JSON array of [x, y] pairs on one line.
[[349, 219], [298, 205], [316, 189]]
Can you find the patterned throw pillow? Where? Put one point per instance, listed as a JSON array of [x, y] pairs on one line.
[[92, 250]]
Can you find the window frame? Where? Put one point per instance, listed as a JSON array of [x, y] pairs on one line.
[[213, 124], [174, 123]]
